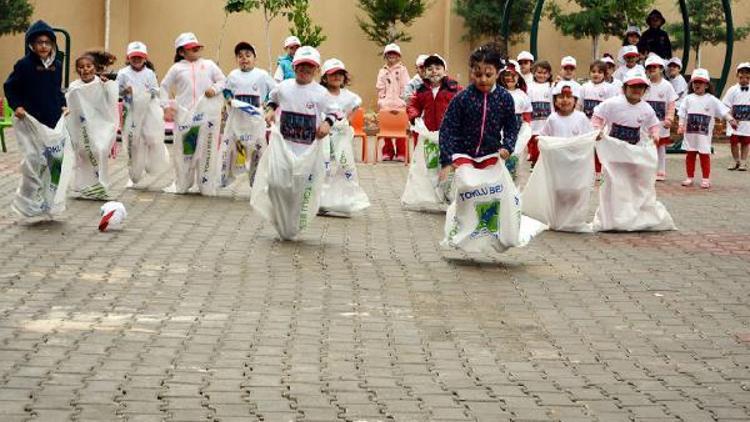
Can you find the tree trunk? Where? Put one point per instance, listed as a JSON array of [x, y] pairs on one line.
[[595, 46], [268, 40], [221, 38], [698, 61]]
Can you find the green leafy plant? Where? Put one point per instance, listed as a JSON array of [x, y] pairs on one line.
[[271, 9], [386, 19], [16, 16], [483, 19], [302, 26]]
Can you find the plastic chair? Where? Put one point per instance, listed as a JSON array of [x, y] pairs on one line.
[[6, 122], [357, 121], [393, 126]]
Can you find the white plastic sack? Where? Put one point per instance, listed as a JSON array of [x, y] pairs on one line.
[[627, 197], [559, 190], [197, 159], [92, 123], [287, 186], [341, 194], [243, 142], [522, 141], [46, 167], [421, 191], [485, 214], [143, 135]]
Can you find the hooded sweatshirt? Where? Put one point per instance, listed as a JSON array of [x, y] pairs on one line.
[[390, 85], [656, 40], [34, 85]]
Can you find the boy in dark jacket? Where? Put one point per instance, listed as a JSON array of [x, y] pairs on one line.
[[431, 100], [34, 85], [656, 40]]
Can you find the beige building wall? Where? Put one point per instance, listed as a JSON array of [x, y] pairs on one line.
[[158, 22]]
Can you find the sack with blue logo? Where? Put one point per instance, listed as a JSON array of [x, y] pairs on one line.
[[143, 135], [422, 191], [558, 192], [485, 212], [92, 122], [286, 192], [243, 142], [46, 168], [196, 155], [341, 194], [627, 196]]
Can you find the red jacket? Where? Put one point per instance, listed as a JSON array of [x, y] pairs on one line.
[[432, 108]]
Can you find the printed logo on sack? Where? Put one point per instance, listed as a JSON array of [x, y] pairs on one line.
[[431, 154], [479, 192], [488, 214], [190, 141]]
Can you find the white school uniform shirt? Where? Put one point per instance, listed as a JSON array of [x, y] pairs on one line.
[[739, 101], [522, 104], [300, 111], [143, 80], [627, 122], [622, 70], [594, 94], [252, 86], [658, 96], [188, 81], [528, 77], [347, 101], [680, 86], [541, 104], [697, 115], [574, 124]]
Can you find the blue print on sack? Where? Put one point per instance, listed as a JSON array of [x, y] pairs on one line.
[[250, 99], [588, 107], [298, 127], [628, 134], [698, 124], [660, 108], [741, 112], [541, 110]]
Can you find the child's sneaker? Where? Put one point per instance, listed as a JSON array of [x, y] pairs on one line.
[[735, 166], [400, 158], [386, 157], [661, 176], [688, 182], [705, 184], [742, 167]]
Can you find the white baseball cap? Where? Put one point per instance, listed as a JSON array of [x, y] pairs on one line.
[[568, 61], [654, 60], [630, 50], [292, 41], [632, 29], [137, 49], [306, 54], [332, 66], [636, 77], [560, 86], [392, 48], [525, 55], [743, 65], [700, 75], [187, 40], [675, 61], [421, 58], [607, 59]]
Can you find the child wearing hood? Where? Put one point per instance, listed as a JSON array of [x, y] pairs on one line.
[[34, 85], [392, 80], [654, 39]]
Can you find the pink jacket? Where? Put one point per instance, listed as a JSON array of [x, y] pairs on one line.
[[390, 85]]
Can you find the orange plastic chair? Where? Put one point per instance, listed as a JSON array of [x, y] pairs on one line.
[[393, 126], [357, 121]]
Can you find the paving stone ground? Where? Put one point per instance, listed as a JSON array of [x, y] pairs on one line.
[[195, 312]]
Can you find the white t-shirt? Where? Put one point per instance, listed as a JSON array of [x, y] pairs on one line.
[[680, 87], [301, 109], [659, 96], [522, 104], [252, 86], [697, 115], [541, 104], [627, 122], [347, 101], [144, 79], [188, 81], [622, 70], [594, 94], [567, 126], [528, 77], [739, 101]]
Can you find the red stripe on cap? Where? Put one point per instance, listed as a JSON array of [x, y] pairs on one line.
[[105, 220]]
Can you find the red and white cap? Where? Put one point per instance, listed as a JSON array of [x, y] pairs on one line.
[[332, 66], [654, 60], [435, 57], [743, 65], [675, 61], [630, 50], [632, 29], [568, 61], [187, 40], [137, 49], [392, 48], [608, 60], [113, 215], [525, 55], [562, 85], [306, 54], [291, 41], [636, 77], [700, 75], [421, 58], [512, 66]]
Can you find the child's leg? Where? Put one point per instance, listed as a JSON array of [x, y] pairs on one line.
[[387, 151], [690, 163], [597, 164], [745, 149], [735, 145], [401, 148], [705, 165], [533, 148], [661, 152]]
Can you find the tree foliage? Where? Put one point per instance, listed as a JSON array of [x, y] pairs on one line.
[[386, 20], [15, 17], [302, 26], [483, 19]]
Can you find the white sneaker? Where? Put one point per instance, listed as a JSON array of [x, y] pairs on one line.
[[705, 184], [661, 176], [688, 182]]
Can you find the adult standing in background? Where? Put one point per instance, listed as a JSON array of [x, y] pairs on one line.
[[656, 40]]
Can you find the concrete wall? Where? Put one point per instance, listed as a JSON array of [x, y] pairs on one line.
[[158, 22]]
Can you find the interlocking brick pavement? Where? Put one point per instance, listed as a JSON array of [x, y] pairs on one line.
[[195, 312]]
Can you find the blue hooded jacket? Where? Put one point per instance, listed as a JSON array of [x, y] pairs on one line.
[[285, 62], [32, 86]]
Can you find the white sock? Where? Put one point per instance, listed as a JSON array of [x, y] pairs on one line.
[[661, 152]]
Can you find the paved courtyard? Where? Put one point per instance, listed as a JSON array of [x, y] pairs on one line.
[[195, 312]]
